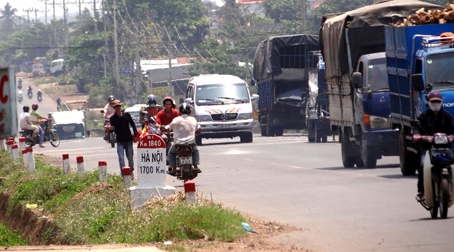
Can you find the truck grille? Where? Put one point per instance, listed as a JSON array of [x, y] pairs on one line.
[[224, 117]]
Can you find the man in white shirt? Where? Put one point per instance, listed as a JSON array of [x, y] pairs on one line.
[[26, 122], [184, 130]]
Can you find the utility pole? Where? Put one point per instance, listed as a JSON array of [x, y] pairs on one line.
[[65, 26], [36, 16], [170, 66], [105, 37], [247, 64], [95, 17], [117, 77], [303, 16]]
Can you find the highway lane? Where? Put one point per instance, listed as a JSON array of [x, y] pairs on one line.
[[289, 180]]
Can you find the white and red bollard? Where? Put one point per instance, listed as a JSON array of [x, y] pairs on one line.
[[31, 160], [11, 139], [21, 143], [15, 150], [3, 144], [102, 169], [189, 191], [80, 165], [66, 166], [127, 176], [25, 157], [9, 144]]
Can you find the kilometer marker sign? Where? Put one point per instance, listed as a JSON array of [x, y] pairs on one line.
[[151, 162]]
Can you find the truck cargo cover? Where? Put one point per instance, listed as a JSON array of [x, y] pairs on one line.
[[68, 117], [365, 32], [267, 55]]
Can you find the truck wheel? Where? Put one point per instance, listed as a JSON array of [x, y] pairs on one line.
[[348, 158], [279, 131], [246, 138], [409, 161], [311, 134], [269, 129], [368, 155], [263, 130]]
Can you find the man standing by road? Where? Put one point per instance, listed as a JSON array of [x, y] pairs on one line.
[[121, 121], [35, 116]]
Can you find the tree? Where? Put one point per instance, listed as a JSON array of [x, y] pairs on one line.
[[7, 17]]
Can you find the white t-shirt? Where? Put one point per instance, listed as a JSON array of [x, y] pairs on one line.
[[108, 109], [25, 121], [184, 128]]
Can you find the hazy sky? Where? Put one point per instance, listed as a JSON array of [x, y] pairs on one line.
[[72, 5]]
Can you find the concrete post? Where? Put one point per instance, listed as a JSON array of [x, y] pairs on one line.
[[9, 144], [127, 177], [66, 166], [25, 158], [11, 139], [189, 191], [80, 165], [102, 169], [15, 150], [2, 143], [31, 160], [21, 143]]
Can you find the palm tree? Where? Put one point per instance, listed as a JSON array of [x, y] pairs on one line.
[[7, 17]]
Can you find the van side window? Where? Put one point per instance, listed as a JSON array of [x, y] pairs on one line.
[[190, 91]]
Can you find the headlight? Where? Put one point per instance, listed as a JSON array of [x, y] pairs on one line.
[[377, 122], [440, 139], [204, 118], [245, 116]]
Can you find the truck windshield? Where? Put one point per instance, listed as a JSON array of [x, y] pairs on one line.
[[377, 79], [437, 73], [221, 93]]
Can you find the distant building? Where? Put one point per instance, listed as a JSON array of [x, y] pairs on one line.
[[253, 6]]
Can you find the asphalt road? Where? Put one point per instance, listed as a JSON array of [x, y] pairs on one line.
[[289, 180]]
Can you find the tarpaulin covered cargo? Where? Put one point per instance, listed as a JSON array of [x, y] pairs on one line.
[[365, 33], [289, 52]]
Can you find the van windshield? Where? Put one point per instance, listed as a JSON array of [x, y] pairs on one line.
[[215, 94]]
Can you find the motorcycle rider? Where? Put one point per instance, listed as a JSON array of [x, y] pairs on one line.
[[108, 110], [20, 95], [26, 122], [29, 89], [165, 117], [35, 116], [20, 83], [433, 120], [184, 130], [58, 103], [152, 109], [39, 93]]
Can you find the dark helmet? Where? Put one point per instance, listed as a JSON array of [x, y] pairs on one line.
[[34, 106], [152, 100], [185, 108], [111, 98], [168, 98], [26, 108]]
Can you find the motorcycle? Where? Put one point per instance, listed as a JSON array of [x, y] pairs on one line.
[[40, 98], [19, 86], [50, 135], [438, 179], [58, 107], [20, 98], [29, 94], [150, 127], [111, 137]]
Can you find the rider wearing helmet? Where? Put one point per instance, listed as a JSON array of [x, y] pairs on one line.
[[35, 116], [166, 116], [26, 122], [108, 109], [433, 120], [184, 129], [152, 109]]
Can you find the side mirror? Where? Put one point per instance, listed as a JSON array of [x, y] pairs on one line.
[[418, 83], [429, 88], [357, 80], [189, 100], [254, 97], [102, 111]]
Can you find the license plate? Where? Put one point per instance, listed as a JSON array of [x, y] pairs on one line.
[[185, 160], [225, 125]]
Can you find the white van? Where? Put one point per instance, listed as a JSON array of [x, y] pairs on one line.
[[222, 106]]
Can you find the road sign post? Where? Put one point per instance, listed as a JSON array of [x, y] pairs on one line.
[[8, 116], [151, 171]]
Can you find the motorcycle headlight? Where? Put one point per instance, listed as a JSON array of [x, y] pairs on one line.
[[245, 116], [440, 139], [204, 118], [378, 122]]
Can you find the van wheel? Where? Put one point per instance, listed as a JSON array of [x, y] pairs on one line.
[[198, 140], [246, 138]]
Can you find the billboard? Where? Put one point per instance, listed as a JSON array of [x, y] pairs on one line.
[[8, 108]]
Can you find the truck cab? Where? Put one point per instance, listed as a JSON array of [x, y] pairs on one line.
[[57, 67]]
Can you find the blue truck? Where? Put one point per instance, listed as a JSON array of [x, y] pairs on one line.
[[281, 70], [418, 61], [354, 49]]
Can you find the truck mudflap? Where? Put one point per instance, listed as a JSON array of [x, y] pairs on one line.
[[385, 140]]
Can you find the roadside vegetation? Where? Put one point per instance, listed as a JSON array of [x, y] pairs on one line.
[[8, 238], [85, 211]]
